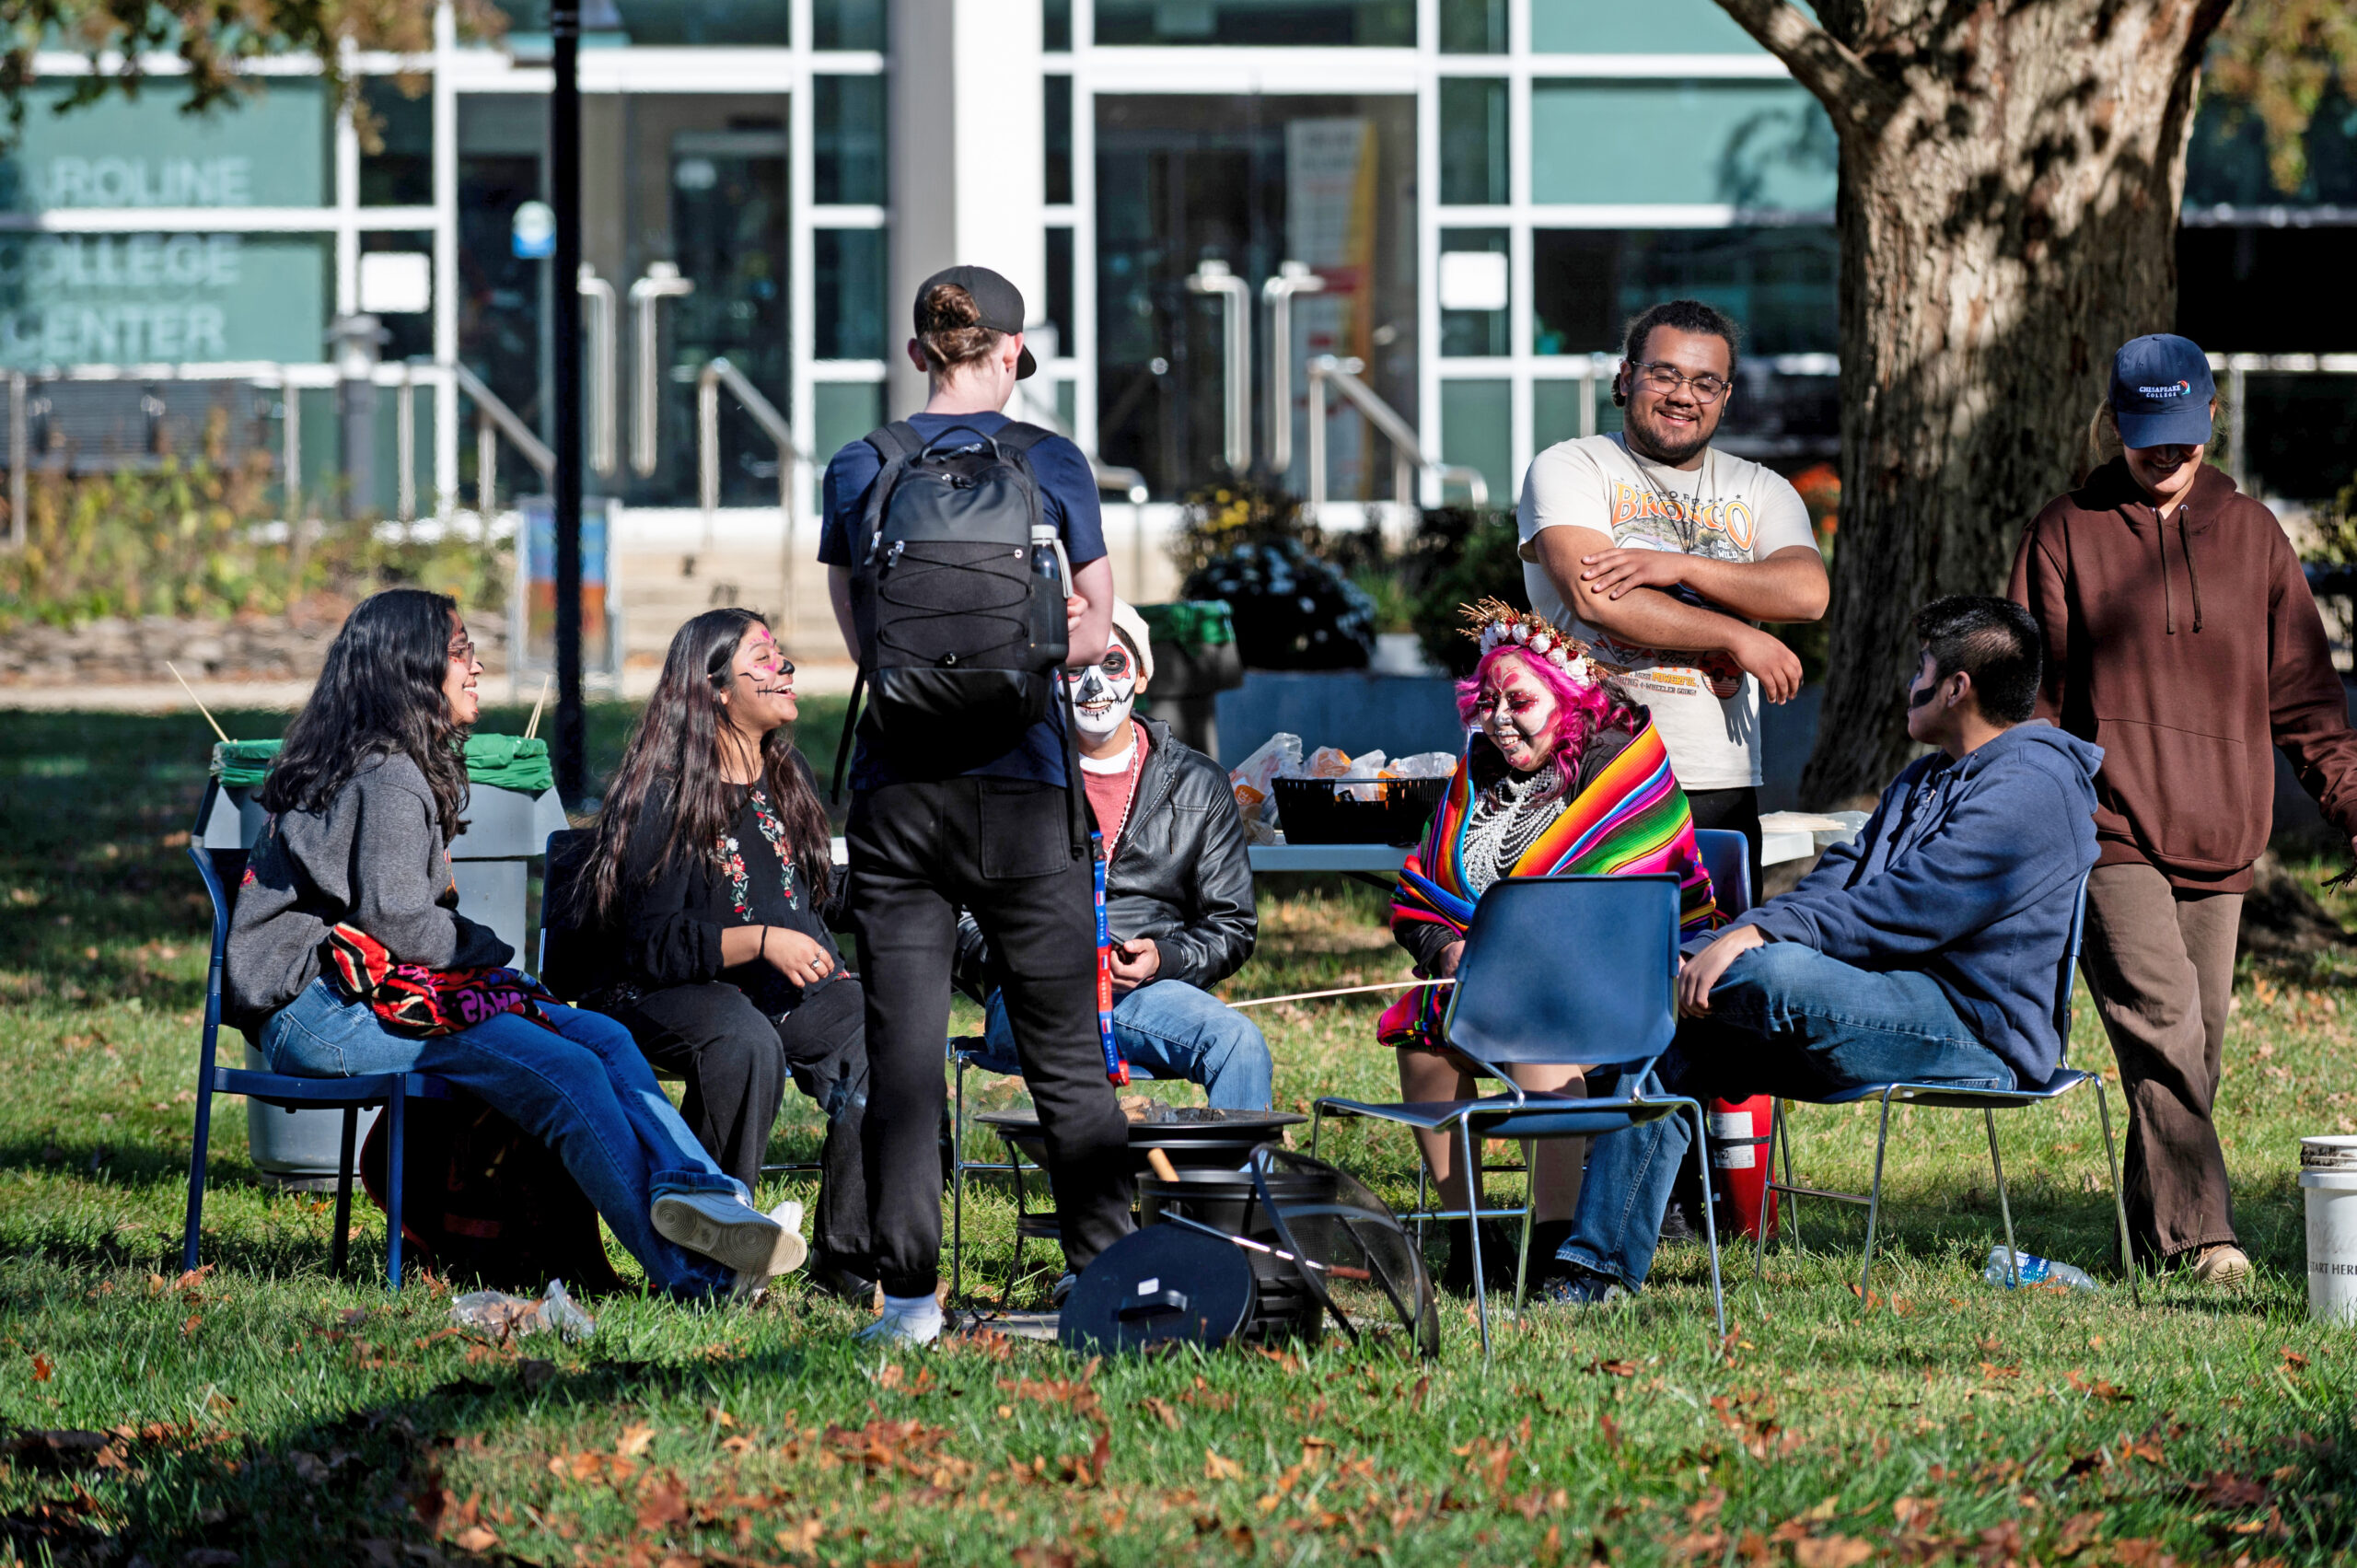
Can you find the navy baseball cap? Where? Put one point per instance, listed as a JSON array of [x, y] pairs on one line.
[[999, 302], [2161, 391]]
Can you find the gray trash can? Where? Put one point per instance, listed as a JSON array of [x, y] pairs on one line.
[[506, 826]]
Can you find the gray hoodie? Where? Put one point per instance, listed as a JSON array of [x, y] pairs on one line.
[[374, 858]]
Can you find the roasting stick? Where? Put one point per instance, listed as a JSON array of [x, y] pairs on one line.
[[532, 724], [198, 701], [1344, 991]]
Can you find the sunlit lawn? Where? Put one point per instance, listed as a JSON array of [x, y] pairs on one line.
[[267, 1412]]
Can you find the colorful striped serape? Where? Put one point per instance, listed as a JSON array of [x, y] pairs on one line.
[[1632, 820]]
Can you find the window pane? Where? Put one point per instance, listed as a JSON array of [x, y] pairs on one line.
[[400, 174], [847, 139], [1055, 26], [1477, 432], [847, 23], [849, 275], [1472, 27], [1616, 27], [1750, 144], [705, 21], [844, 411], [1778, 284], [1373, 23], [1059, 138], [1473, 141], [1474, 297], [1060, 288], [1555, 412]]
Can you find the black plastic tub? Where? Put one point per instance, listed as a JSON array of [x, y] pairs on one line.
[[1329, 811]]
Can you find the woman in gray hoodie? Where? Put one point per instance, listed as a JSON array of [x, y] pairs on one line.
[[364, 800]]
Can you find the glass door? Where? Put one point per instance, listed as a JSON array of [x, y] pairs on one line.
[[1252, 181]]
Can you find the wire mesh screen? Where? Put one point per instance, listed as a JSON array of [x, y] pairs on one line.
[[1350, 1251]]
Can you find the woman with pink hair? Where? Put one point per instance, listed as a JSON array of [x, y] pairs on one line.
[[1561, 775]]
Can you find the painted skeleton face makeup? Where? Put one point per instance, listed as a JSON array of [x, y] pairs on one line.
[[1105, 693]]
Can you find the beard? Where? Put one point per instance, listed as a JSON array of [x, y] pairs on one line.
[[1669, 445]]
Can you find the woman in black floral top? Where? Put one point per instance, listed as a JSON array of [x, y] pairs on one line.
[[710, 888]]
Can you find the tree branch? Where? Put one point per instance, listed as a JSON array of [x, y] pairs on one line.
[[1829, 68]]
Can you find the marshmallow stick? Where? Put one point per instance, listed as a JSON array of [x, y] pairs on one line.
[[198, 701], [532, 724], [1345, 991]]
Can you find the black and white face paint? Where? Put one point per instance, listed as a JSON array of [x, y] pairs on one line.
[[1102, 698]]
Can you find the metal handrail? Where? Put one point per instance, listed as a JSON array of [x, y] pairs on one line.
[[1407, 451], [1292, 278], [719, 373], [661, 281], [494, 419], [605, 394], [1213, 277]]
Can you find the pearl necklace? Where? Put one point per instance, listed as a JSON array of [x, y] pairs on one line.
[[1505, 826]]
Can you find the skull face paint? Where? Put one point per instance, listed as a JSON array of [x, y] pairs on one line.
[[1102, 698]]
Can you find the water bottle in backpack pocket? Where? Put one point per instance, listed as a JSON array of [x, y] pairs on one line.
[[959, 635]]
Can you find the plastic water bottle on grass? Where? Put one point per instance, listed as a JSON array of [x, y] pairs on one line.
[[2035, 1270]]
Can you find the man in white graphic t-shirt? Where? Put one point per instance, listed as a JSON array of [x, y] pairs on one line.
[[1665, 552]]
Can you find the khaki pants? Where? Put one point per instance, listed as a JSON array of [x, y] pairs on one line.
[[2160, 963]]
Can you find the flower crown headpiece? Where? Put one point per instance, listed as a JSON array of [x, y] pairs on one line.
[[1492, 623]]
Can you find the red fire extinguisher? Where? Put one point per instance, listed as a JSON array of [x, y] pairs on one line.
[[1739, 1164]]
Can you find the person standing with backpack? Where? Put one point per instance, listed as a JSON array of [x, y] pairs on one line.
[[941, 539]]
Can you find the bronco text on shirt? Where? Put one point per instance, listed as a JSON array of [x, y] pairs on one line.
[[1728, 509]]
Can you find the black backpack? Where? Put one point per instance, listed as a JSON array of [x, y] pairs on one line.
[[961, 638]]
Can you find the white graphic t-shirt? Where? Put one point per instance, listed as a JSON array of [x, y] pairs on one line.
[[1728, 509]]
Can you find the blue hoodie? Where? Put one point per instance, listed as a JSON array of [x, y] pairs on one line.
[[1968, 871]]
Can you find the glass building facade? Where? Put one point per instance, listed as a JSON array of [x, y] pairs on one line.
[[1483, 189]]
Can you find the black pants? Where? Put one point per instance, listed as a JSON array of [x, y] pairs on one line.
[[1002, 849], [1734, 811], [736, 1061]]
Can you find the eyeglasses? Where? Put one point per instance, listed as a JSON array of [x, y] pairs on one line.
[[463, 651], [1666, 379]]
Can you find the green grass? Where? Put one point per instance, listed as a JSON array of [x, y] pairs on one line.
[[267, 1412]]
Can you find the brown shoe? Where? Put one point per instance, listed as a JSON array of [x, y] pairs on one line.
[[2225, 1266]]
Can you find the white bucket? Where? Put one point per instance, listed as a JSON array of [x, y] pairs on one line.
[[2329, 1177]]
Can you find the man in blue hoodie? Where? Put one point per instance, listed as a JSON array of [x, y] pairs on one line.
[[1930, 949]]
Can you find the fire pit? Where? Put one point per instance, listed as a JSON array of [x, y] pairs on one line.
[[1195, 1137]]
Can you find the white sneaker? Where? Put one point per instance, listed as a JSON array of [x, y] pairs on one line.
[[916, 1322], [787, 1254], [721, 1226]]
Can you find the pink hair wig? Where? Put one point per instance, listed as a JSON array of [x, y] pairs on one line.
[[1585, 709]]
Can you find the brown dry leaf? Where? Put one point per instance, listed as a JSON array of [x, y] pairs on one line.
[[189, 1327], [1045, 1556], [1614, 1369], [1832, 1552], [1218, 1467], [661, 1504], [2111, 1393], [633, 1441], [800, 1538], [1161, 1408], [477, 1539], [42, 1367]]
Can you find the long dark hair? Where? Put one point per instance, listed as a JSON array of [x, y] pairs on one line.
[[379, 695], [676, 751]]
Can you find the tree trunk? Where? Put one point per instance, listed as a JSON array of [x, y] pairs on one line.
[[2009, 186]]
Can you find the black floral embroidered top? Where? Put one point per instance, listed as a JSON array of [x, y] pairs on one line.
[[672, 928]]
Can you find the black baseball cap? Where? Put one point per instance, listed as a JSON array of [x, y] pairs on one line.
[[1000, 302], [2161, 389]]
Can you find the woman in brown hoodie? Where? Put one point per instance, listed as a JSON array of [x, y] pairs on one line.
[[2180, 638]]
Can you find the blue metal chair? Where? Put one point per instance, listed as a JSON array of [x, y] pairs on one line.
[[1946, 1097], [1521, 998], [223, 870], [1726, 855]]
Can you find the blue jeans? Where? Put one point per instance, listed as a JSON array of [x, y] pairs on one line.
[[1172, 1030], [584, 1091], [1784, 1021]]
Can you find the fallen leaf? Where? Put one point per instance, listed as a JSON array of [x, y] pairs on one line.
[[799, 1538], [1832, 1552], [1161, 1408], [42, 1367], [633, 1441], [1218, 1467], [477, 1539]]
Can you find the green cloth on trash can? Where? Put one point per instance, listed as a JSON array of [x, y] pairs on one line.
[[1203, 623], [501, 761]]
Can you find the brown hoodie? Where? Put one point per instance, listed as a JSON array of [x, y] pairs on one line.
[[2187, 648]]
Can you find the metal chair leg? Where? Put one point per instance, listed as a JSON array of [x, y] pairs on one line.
[[1317, 1122], [1422, 1202], [1709, 1217], [958, 1186], [1522, 1255], [1791, 1199], [2118, 1199], [2004, 1208], [343, 1191], [1473, 1230], [1874, 1200], [395, 1145], [197, 1174], [1759, 1242]]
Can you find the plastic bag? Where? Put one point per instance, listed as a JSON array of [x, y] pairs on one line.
[[1426, 765], [1251, 779], [513, 1317]]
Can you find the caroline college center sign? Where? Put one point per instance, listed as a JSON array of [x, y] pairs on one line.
[[83, 282]]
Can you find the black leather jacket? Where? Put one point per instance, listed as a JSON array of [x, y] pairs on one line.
[[1180, 873]]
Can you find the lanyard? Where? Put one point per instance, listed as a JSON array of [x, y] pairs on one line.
[[1116, 1070]]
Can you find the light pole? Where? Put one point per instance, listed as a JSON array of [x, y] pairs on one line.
[[564, 178]]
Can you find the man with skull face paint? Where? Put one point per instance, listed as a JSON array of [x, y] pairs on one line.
[[1178, 890]]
